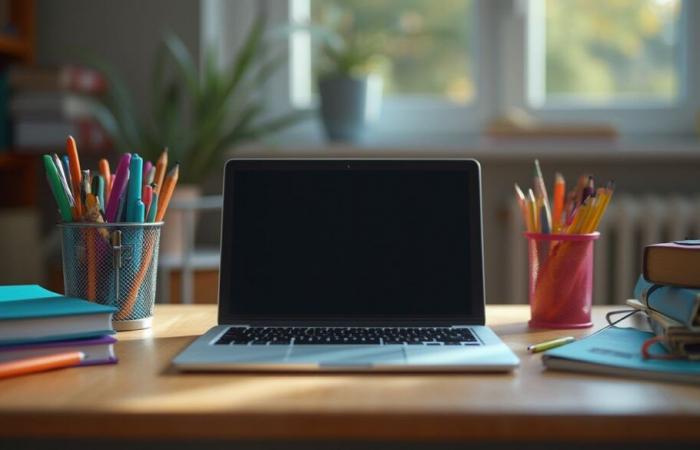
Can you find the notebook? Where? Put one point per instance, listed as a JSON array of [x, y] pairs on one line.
[[681, 304], [30, 314], [617, 351], [97, 350]]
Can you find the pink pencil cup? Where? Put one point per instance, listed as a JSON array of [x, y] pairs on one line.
[[561, 279]]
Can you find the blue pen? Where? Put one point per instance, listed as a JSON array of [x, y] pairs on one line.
[[66, 169], [134, 204]]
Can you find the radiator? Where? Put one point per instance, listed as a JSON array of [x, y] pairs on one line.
[[629, 224]]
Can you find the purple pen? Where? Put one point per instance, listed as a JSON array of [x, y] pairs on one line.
[[146, 168], [118, 187]]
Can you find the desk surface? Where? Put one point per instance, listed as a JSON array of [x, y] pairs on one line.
[[141, 397]]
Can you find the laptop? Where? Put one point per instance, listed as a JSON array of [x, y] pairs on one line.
[[350, 265]]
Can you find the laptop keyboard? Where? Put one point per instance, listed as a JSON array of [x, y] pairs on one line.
[[345, 335]]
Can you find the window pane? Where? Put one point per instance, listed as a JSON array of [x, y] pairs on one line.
[[602, 50], [425, 46]]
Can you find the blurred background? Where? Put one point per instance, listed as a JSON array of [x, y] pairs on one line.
[[602, 87]]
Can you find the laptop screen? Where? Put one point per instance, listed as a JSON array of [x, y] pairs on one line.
[[352, 240]]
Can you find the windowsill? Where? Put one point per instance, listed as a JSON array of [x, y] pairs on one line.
[[652, 147]]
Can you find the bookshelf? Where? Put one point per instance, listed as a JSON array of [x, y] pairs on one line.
[[17, 45], [17, 38]]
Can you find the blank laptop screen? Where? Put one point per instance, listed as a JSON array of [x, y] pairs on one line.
[[352, 240]]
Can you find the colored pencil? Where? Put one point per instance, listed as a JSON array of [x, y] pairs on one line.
[[161, 167], [40, 364], [167, 192]]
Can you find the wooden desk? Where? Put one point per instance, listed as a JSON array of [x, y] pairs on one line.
[[142, 397]]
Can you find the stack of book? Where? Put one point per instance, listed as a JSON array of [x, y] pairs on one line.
[[35, 322], [47, 104], [669, 293]]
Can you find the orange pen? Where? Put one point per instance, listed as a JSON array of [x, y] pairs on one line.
[[167, 192], [107, 175], [76, 176], [40, 364], [161, 167]]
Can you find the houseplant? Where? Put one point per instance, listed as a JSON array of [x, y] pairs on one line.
[[349, 90], [198, 114]]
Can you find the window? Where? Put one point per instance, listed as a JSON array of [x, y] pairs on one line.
[[451, 66], [426, 50], [427, 58], [599, 52]]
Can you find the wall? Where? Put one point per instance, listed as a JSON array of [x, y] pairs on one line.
[[126, 33]]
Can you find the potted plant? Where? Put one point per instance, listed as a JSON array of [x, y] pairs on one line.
[[197, 114], [350, 91]]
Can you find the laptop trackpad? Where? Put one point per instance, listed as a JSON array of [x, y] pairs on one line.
[[346, 355]]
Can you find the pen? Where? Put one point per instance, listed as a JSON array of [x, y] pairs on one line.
[[153, 209], [64, 180], [150, 176], [57, 189], [147, 196], [66, 168], [106, 175], [134, 205], [118, 187], [40, 363], [75, 173], [147, 166], [547, 345], [98, 188]]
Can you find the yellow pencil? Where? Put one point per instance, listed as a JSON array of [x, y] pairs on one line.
[[532, 209], [522, 203]]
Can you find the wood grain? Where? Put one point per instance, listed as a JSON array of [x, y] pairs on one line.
[[142, 397]]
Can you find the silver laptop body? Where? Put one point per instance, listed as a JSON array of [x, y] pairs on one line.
[[350, 265]]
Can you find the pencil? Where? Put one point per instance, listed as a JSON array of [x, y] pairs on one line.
[[167, 192], [558, 201], [40, 364], [161, 167], [75, 173], [541, 195], [522, 203], [532, 207]]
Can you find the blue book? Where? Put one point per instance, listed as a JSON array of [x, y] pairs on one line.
[[681, 304], [31, 314], [617, 351]]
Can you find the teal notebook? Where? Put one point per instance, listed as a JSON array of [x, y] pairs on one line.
[[617, 351], [681, 304], [30, 313]]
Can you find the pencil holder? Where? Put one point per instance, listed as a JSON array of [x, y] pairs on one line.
[[115, 265], [561, 279]]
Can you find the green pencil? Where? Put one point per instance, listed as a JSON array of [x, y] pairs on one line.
[[57, 189]]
